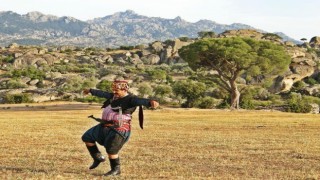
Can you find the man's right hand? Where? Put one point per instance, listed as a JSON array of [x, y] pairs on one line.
[[154, 104]]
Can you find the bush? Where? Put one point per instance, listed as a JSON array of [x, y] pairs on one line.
[[311, 81], [184, 39], [276, 100], [157, 75], [224, 104], [17, 98], [126, 47], [7, 59], [161, 91], [31, 72], [247, 104], [12, 84], [247, 97], [189, 90], [73, 84], [206, 103], [104, 85], [144, 89], [298, 86], [298, 104], [90, 99]]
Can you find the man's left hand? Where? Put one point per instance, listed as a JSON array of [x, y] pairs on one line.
[[154, 104]]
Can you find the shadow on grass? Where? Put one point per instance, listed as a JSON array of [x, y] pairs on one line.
[[45, 171], [57, 107]]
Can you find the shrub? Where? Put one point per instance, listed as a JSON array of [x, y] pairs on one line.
[[73, 84], [17, 98], [161, 91], [298, 104], [89, 82], [247, 104], [90, 99], [144, 89], [224, 104], [31, 72], [126, 47], [7, 59], [184, 39], [298, 86], [206, 103], [12, 84], [159, 75], [276, 99], [311, 81], [104, 85], [246, 98], [190, 90]]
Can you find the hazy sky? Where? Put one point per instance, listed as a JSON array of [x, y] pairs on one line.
[[296, 18]]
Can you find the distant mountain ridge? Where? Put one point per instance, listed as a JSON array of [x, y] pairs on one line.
[[121, 28]]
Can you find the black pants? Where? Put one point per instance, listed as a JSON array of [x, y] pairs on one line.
[[111, 139]]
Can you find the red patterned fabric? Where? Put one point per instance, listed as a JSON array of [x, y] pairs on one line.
[[122, 85], [109, 115]]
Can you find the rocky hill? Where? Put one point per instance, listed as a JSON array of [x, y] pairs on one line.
[[46, 73], [122, 28]]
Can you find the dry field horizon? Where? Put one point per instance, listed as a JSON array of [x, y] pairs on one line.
[[43, 141]]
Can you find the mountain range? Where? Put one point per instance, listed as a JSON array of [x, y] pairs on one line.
[[122, 28]]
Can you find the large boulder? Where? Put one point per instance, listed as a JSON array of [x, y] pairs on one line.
[[26, 60], [13, 46], [157, 46], [303, 64], [315, 42], [107, 59], [177, 44], [296, 52], [151, 59], [313, 90], [314, 108]]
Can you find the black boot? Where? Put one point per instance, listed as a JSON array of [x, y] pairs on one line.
[[96, 155], [115, 167]]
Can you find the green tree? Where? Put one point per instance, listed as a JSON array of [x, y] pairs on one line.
[[144, 89], [271, 36], [206, 34], [206, 102], [304, 40], [157, 75], [190, 90], [233, 57], [184, 39], [105, 85], [161, 91]]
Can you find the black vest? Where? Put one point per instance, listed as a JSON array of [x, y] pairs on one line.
[[124, 103]]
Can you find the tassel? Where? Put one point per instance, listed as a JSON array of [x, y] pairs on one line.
[[141, 117]]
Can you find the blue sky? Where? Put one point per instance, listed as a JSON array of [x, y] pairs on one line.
[[296, 18]]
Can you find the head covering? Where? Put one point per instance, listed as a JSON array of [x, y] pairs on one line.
[[120, 84]]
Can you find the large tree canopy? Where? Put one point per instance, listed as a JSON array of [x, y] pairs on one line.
[[233, 57]]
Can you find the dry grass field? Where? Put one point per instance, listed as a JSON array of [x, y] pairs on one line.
[[44, 142]]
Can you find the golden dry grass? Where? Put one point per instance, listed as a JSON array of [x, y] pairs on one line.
[[44, 142]]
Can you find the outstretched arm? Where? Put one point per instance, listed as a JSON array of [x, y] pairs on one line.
[[144, 102], [98, 93]]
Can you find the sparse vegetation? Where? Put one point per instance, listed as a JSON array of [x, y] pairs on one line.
[[63, 71], [17, 98], [44, 143]]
